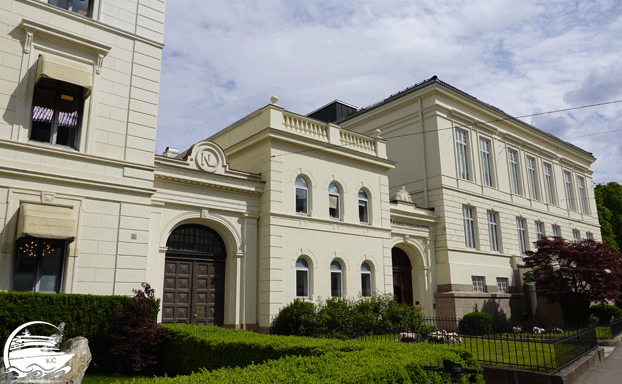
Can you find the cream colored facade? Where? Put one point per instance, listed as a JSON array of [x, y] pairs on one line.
[[446, 131], [274, 207]]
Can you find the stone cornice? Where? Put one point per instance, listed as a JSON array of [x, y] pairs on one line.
[[239, 186]]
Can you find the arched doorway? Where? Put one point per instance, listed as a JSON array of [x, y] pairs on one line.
[[402, 276], [194, 276]]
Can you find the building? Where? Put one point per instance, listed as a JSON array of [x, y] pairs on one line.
[[276, 206]]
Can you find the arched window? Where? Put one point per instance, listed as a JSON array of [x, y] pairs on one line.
[[302, 278], [363, 207], [333, 202], [366, 280], [302, 196], [335, 278]]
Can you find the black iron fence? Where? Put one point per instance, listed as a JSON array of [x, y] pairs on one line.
[[523, 346], [609, 330]]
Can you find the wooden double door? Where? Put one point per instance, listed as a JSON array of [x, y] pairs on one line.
[[194, 291], [402, 277], [194, 277]]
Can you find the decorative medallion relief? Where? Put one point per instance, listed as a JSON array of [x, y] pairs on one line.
[[208, 157]]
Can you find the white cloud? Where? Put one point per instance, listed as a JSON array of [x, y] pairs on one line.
[[223, 60]]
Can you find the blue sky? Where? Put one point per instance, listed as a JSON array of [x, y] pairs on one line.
[[223, 60]]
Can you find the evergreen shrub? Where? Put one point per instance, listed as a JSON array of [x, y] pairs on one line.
[[295, 319], [605, 312], [476, 323], [342, 318], [370, 363]]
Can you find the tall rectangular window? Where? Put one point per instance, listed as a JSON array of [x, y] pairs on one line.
[[582, 195], [576, 236], [589, 235], [556, 231], [522, 235], [493, 230], [548, 181], [539, 229], [533, 178], [484, 148], [503, 284], [479, 285], [462, 146], [469, 227], [569, 191], [514, 172]]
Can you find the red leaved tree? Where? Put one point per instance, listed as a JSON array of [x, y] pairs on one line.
[[575, 274]]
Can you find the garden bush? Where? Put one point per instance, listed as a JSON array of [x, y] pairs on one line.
[[136, 339], [331, 361], [295, 319], [605, 312], [341, 318], [476, 323]]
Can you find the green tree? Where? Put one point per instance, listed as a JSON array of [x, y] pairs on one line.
[[609, 205]]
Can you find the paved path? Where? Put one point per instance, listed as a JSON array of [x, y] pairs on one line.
[[608, 371]]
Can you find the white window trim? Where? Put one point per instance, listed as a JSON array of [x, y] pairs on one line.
[[306, 188], [582, 195], [493, 231], [462, 154], [479, 283], [540, 230], [486, 159], [570, 203], [503, 284], [470, 238], [514, 169], [532, 174], [549, 182], [523, 245]]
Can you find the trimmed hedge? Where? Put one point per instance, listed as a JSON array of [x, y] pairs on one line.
[[605, 312], [83, 315], [290, 359], [208, 347], [476, 323]]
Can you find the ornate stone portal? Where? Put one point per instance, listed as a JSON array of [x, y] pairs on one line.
[[31, 358]]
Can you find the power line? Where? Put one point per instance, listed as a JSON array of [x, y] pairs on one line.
[[478, 123]]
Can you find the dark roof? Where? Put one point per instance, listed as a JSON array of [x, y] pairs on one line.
[[435, 80]]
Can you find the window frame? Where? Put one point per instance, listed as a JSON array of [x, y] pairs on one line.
[[582, 195], [557, 232], [503, 284], [470, 237], [58, 88], [539, 229], [462, 154], [36, 286], [493, 231], [366, 274], [306, 270], [338, 198], [478, 283], [514, 169], [69, 5], [549, 182], [364, 200], [576, 236], [523, 245], [533, 178], [486, 158], [570, 203], [589, 235], [304, 188], [338, 274]]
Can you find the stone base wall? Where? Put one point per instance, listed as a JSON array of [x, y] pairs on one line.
[[456, 304]]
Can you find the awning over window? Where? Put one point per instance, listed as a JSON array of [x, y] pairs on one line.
[[65, 70], [46, 221]]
